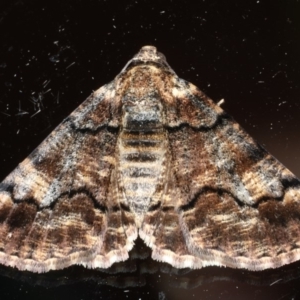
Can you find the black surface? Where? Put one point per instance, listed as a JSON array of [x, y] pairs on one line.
[[54, 53]]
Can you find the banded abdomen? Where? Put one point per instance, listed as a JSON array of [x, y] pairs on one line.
[[142, 150]]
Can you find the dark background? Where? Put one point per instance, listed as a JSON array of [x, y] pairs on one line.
[[53, 54]]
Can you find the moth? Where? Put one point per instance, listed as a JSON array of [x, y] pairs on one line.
[[149, 155]]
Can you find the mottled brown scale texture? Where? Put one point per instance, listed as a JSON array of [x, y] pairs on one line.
[[149, 154]]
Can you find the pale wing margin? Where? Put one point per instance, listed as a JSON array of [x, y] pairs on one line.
[[228, 202], [54, 210], [244, 210]]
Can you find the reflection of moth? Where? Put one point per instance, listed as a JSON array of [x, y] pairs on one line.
[[149, 154]]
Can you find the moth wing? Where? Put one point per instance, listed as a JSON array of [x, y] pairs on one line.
[[53, 207], [227, 201]]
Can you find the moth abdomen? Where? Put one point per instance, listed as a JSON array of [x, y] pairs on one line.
[[142, 151]]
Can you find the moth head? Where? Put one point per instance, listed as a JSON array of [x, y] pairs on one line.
[[148, 55]]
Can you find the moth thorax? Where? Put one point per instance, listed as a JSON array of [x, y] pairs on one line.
[[142, 148]]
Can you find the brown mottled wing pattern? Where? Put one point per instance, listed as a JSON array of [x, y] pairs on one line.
[[53, 207], [149, 153], [227, 202]]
